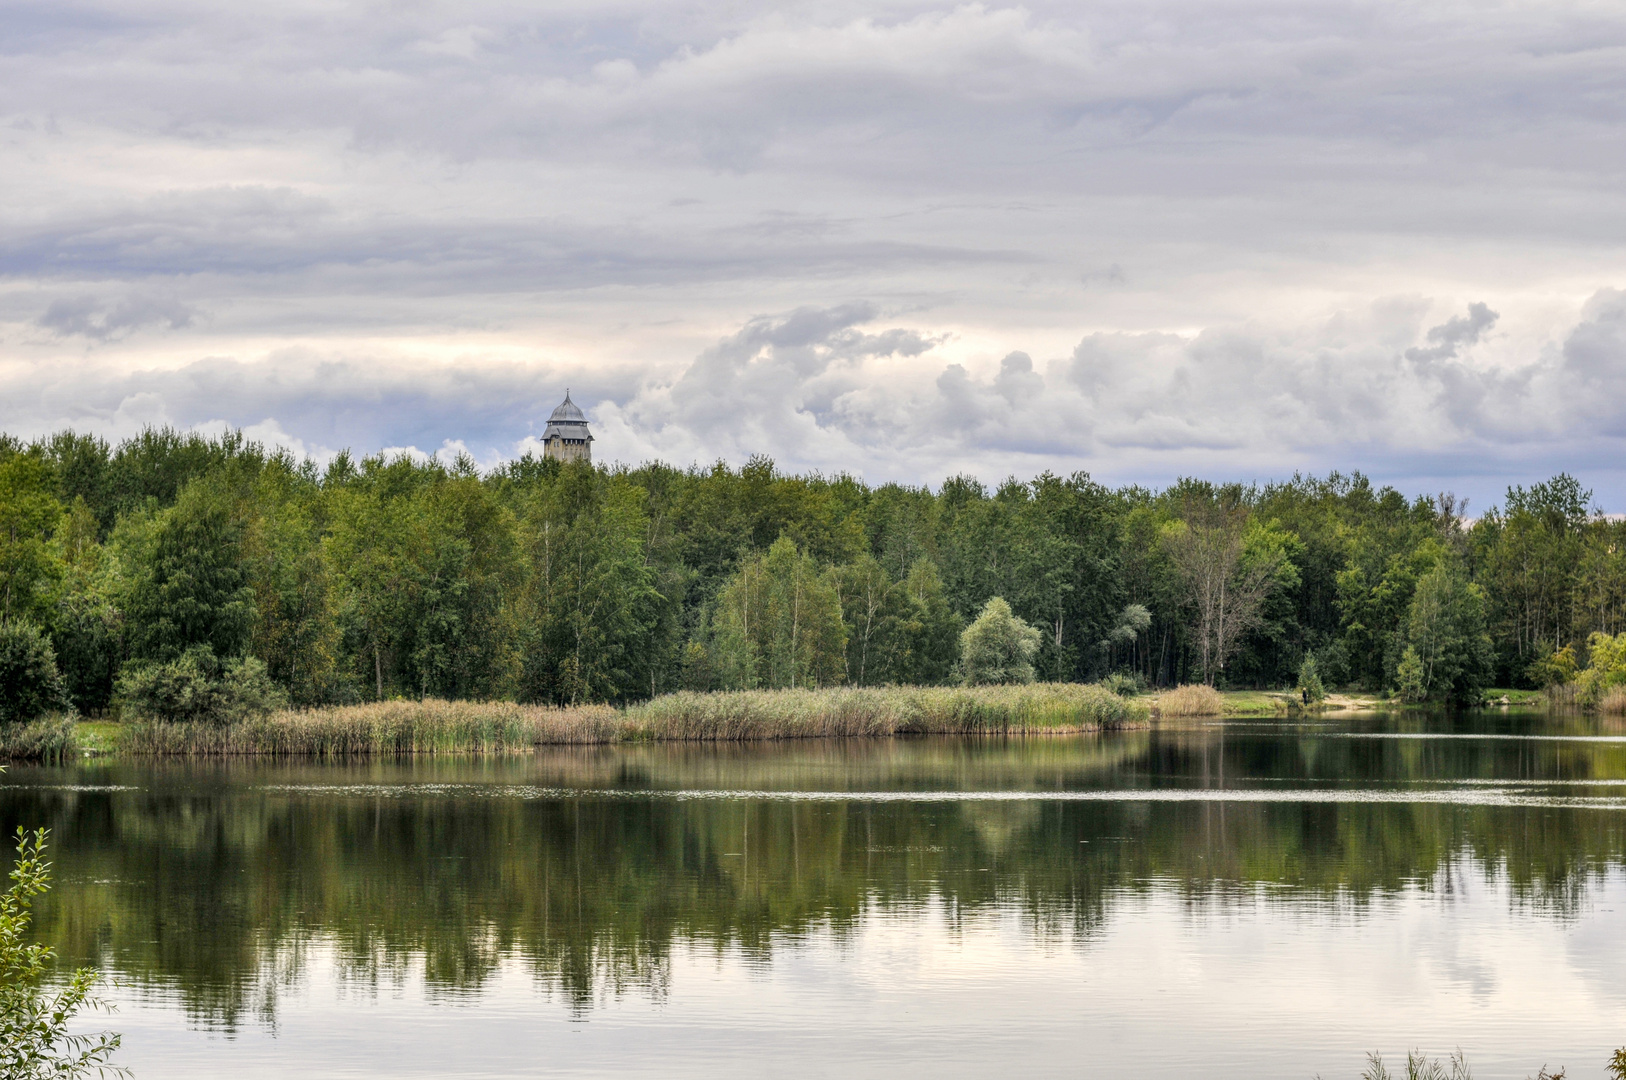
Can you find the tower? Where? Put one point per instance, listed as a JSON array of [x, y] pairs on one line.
[[567, 437]]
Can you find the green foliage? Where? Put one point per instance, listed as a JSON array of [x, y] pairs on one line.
[[199, 687], [1552, 667], [1125, 683], [1606, 666], [778, 624], [1616, 1066], [1311, 692], [381, 577], [29, 513], [30, 685], [1410, 679], [34, 1038], [188, 584], [591, 598], [998, 647], [1446, 629]]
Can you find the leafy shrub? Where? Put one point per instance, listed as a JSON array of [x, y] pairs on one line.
[[198, 687], [34, 1036], [30, 685], [1606, 667], [1125, 683], [998, 647], [1551, 668]]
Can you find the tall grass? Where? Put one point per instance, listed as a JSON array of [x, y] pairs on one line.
[[901, 710], [418, 727], [386, 727], [1193, 700], [48, 739], [1612, 702]]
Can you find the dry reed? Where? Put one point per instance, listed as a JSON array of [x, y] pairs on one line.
[[879, 711], [1192, 700], [430, 726], [386, 727], [1613, 702]]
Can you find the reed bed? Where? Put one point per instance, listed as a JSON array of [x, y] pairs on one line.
[[430, 726], [50, 738], [387, 727], [1192, 700], [881, 711], [1613, 702]]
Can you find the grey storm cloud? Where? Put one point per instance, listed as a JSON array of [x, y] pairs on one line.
[[902, 236], [1456, 332], [91, 317]]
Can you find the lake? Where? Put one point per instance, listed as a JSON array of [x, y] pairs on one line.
[[1239, 899]]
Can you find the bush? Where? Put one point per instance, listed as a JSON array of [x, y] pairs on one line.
[[30, 685], [1311, 692], [1125, 683], [35, 1040], [200, 688], [998, 647]]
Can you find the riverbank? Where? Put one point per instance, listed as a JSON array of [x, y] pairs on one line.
[[433, 726]]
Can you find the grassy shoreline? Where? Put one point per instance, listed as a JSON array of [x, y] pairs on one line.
[[433, 726]]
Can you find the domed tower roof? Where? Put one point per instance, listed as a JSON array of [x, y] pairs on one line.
[[568, 422]]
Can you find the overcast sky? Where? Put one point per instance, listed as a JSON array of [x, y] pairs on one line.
[[1232, 240]]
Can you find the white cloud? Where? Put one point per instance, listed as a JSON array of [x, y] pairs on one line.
[[1218, 237]]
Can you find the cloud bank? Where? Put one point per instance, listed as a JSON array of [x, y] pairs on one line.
[[902, 239]]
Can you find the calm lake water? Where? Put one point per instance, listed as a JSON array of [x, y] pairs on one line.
[[1261, 899]]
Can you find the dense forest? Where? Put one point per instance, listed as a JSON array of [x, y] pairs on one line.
[[385, 577]]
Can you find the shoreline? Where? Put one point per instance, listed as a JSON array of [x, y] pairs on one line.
[[433, 726]]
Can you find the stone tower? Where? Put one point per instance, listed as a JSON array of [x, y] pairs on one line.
[[567, 437]]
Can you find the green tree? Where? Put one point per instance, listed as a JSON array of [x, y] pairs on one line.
[[925, 643], [870, 607], [30, 685], [1411, 678], [777, 623], [188, 584], [1446, 628], [29, 512], [1311, 692], [1231, 565], [294, 631], [590, 597], [998, 647], [1531, 550], [366, 552]]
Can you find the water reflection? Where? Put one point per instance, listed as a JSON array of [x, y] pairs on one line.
[[212, 882]]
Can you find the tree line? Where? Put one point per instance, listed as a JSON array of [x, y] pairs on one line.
[[173, 561]]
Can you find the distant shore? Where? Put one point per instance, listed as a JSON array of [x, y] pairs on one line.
[[431, 726], [434, 726]]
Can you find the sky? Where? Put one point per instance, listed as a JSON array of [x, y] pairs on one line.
[[1232, 240]]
